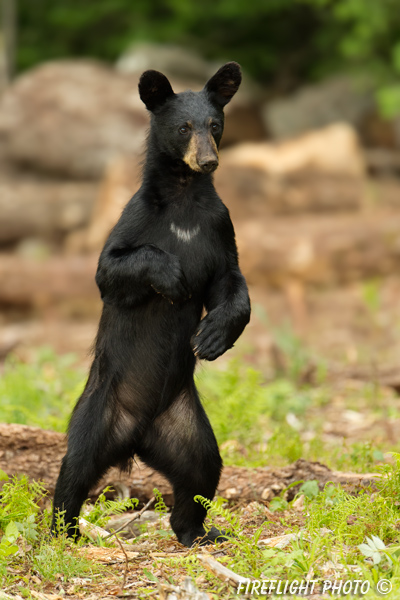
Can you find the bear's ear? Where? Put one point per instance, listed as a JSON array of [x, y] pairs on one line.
[[154, 89], [224, 84]]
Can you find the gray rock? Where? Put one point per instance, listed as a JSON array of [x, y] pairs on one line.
[[174, 61], [314, 106], [71, 118]]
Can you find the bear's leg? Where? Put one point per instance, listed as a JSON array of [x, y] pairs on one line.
[[180, 444], [95, 443], [73, 485]]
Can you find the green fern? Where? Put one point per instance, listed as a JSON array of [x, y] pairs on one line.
[[215, 509], [389, 483], [103, 509], [19, 503], [160, 507], [351, 517]]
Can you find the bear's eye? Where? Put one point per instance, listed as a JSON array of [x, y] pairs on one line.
[[214, 127], [184, 130]]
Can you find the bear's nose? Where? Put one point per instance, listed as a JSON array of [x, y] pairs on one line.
[[208, 165]]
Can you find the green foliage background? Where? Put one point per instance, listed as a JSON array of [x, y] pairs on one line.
[[279, 42]]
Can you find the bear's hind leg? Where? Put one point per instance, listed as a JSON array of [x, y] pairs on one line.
[[73, 485], [180, 444], [95, 443]]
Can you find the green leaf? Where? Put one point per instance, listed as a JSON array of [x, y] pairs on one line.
[[7, 549], [11, 533], [150, 576], [3, 476], [378, 456], [277, 504], [310, 489]]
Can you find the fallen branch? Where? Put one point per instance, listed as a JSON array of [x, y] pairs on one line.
[[220, 571], [92, 531]]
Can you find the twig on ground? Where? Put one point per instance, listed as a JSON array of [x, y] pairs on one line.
[[126, 559]]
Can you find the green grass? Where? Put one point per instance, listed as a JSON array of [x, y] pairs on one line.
[[257, 422], [342, 537], [25, 538], [41, 393]]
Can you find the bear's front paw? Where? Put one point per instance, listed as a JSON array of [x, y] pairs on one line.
[[209, 342], [170, 282]]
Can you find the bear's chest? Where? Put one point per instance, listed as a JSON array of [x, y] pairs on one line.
[[198, 248], [193, 239]]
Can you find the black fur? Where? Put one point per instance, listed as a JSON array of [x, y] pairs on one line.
[[172, 253]]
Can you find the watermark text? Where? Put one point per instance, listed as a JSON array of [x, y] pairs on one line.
[[305, 587]]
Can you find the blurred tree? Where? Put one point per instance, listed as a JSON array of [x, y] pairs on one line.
[[369, 39], [272, 39], [280, 42], [8, 37]]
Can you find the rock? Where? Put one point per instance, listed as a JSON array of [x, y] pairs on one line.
[[314, 106], [72, 118], [10, 337], [172, 60], [243, 122], [251, 192], [321, 249], [333, 150], [318, 250], [35, 207], [321, 171]]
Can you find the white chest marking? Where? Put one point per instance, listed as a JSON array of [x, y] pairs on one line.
[[185, 235]]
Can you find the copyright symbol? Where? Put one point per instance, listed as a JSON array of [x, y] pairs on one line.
[[384, 586]]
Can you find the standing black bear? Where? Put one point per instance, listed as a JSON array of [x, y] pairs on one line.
[[172, 253]]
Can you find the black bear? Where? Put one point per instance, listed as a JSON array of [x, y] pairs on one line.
[[171, 254]]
